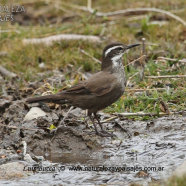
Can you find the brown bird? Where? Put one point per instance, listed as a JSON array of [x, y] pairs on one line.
[[100, 90]]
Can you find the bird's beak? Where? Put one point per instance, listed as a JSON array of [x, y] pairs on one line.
[[133, 45]]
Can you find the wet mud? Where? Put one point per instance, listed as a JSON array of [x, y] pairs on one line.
[[156, 144]]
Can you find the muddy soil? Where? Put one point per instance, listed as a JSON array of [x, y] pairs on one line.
[[158, 143]]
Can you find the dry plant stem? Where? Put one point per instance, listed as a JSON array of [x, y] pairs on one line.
[[141, 90], [133, 75], [144, 114], [109, 119], [89, 4], [167, 76], [3, 53], [65, 117], [140, 58], [139, 10], [87, 54], [143, 60], [129, 11], [137, 114], [128, 81], [66, 37], [169, 59], [4, 90], [7, 73]]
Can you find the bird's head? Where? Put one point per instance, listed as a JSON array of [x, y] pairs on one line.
[[112, 54]]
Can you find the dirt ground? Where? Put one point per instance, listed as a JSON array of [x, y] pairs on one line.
[[154, 143]]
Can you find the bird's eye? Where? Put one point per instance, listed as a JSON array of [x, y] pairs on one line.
[[120, 49]]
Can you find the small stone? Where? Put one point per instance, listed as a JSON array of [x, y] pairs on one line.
[[42, 65], [34, 113], [76, 112], [12, 170]]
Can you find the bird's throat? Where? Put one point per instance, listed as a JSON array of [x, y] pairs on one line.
[[117, 62]]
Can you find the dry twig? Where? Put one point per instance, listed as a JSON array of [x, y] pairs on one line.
[[89, 4], [67, 37], [7, 73], [65, 117], [141, 10], [129, 11], [125, 114], [141, 90], [128, 81], [144, 114], [87, 54], [109, 119], [169, 59], [140, 58], [167, 76]]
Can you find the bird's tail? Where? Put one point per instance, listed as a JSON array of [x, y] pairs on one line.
[[49, 98]]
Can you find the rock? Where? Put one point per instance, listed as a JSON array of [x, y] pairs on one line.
[[3, 53], [15, 113], [76, 112], [34, 113], [181, 170], [12, 170], [42, 65]]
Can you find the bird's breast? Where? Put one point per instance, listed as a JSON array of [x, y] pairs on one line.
[[121, 79]]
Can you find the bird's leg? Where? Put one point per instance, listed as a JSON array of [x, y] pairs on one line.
[[86, 119], [102, 130], [96, 117], [96, 130], [92, 119]]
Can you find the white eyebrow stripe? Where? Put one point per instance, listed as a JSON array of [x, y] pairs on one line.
[[110, 49]]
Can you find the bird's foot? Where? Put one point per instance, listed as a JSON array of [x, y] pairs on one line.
[[104, 133]]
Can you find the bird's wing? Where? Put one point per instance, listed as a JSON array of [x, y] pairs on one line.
[[101, 83], [77, 89], [98, 84]]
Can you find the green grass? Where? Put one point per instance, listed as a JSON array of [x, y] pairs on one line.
[[168, 41], [173, 181]]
